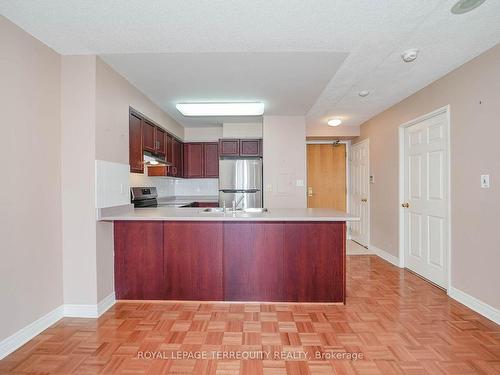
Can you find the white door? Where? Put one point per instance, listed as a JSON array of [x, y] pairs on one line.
[[360, 192], [425, 206]]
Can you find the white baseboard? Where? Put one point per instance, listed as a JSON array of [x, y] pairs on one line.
[[89, 311], [474, 304], [105, 304], [25, 334], [385, 255]]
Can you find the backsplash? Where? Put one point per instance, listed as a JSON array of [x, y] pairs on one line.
[[197, 186], [164, 186], [168, 186]]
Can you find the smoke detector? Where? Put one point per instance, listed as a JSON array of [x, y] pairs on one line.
[[464, 6], [364, 93], [409, 55]]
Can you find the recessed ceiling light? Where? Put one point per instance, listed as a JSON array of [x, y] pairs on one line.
[[334, 122], [464, 6], [221, 109], [409, 55], [364, 93]]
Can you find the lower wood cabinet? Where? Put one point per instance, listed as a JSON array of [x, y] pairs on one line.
[[314, 254], [139, 272], [251, 274], [193, 260], [232, 261]]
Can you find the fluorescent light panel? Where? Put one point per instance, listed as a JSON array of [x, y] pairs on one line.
[[221, 109]]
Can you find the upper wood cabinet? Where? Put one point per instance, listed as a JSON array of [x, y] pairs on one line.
[[135, 144], [211, 160], [160, 142], [240, 147], [201, 160], [250, 147], [229, 147], [193, 160], [176, 170], [148, 136]]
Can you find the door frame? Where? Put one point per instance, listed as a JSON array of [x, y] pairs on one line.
[[402, 171], [368, 235], [347, 169]]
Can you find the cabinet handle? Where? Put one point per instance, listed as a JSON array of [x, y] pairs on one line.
[[309, 191], [364, 200]]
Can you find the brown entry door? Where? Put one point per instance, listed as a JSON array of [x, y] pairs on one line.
[[326, 176]]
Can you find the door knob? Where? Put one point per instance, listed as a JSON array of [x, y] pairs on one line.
[[364, 200], [405, 205]]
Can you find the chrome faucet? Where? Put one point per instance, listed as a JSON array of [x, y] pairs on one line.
[[237, 203]]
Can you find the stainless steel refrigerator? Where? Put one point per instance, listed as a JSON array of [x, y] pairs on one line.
[[240, 180]]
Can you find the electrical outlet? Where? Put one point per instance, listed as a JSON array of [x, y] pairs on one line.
[[485, 181]]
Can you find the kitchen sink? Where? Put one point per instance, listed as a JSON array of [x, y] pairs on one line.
[[213, 209]]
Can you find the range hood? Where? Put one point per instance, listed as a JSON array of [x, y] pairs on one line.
[[154, 160]]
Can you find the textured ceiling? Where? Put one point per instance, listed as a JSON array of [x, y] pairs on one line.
[[372, 32]]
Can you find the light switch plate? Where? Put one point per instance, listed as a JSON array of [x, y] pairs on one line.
[[372, 179], [299, 183], [485, 181]]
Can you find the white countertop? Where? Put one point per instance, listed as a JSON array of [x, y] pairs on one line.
[[197, 214]]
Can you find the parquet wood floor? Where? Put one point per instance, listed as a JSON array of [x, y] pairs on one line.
[[398, 322]]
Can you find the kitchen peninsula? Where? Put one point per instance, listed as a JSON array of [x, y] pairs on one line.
[[292, 255]]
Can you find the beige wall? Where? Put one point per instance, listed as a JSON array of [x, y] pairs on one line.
[[284, 155], [203, 134], [242, 130], [323, 130], [78, 95], [473, 93], [30, 224]]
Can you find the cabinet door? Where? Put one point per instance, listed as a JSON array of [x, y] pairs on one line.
[[193, 160], [148, 136], [250, 147], [314, 265], [161, 143], [176, 158], [139, 260], [211, 160], [135, 144], [168, 147], [229, 147], [193, 260], [253, 261]]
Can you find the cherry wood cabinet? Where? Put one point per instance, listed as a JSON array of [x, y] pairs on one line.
[[233, 261], [314, 254], [148, 136], [250, 147], [193, 260], [168, 147], [176, 169], [139, 272], [201, 160], [240, 147], [135, 144], [250, 272], [229, 147], [161, 143], [193, 160], [211, 160]]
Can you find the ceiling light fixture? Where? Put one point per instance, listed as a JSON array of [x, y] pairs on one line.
[[364, 93], [409, 55], [221, 109], [334, 122], [464, 6]]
